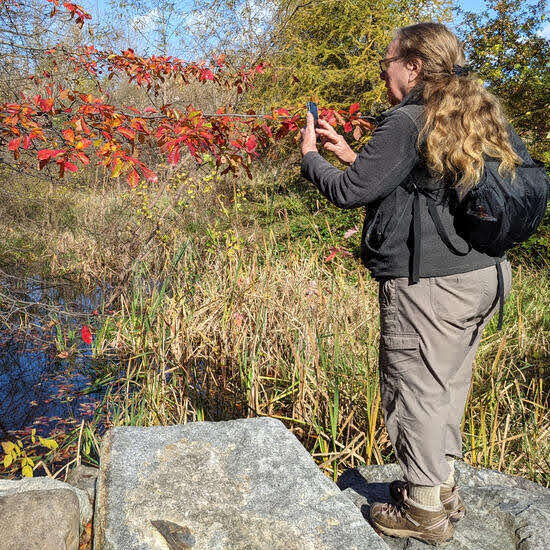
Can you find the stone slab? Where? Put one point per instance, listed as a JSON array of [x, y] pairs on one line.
[[502, 512], [241, 485], [11, 487], [39, 520]]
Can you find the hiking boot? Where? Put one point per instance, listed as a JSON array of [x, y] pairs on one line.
[[452, 503], [408, 520]]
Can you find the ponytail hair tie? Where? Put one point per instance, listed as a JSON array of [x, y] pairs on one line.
[[461, 70]]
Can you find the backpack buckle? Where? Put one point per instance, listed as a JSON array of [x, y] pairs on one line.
[[410, 185]]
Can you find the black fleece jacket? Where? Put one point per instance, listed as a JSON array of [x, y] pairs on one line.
[[375, 180]]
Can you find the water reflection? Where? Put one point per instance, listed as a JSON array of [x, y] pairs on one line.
[[37, 388]]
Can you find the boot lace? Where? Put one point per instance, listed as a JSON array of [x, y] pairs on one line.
[[395, 510]]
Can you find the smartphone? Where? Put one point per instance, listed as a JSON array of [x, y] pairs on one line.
[[312, 108]]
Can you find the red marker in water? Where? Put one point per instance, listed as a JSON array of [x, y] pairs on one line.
[[86, 334]]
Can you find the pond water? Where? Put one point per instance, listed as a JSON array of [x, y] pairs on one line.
[[41, 385]]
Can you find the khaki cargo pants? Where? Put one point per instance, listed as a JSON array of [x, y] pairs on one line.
[[430, 332]]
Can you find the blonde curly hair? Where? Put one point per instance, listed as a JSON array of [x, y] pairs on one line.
[[464, 122]]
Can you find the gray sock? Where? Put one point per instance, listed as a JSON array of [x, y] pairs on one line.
[[425, 497], [450, 481]]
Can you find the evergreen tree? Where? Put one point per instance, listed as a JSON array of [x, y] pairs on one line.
[[328, 50]]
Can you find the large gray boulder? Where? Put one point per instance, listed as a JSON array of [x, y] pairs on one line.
[[84, 510], [242, 484], [503, 512]]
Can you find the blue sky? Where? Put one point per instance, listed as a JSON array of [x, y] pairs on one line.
[[469, 5], [477, 6]]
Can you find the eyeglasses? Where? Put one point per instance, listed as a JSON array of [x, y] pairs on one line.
[[385, 62]]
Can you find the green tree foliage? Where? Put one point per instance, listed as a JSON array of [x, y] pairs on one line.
[[506, 49], [328, 50]]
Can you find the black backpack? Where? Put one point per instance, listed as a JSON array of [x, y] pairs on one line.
[[499, 212], [494, 216]]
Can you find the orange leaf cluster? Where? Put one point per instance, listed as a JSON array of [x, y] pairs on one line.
[[88, 125]]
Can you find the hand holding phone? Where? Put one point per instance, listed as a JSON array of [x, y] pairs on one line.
[[312, 108], [309, 136]]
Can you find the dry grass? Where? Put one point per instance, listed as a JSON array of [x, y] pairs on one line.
[[231, 311], [253, 330]]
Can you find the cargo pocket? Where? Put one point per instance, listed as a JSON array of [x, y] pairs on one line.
[[399, 356], [399, 352]]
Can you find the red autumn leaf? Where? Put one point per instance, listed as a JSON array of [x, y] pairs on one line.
[[45, 154], [70, 166], [332, 255], [283, 112], [149, 174], [46, 104], [334, 251], [86, 334], [27, 142], [354, 108], [331, 117], [251, 143], [127, 133], [68, 134], [82, 158], [14, 144], [174, 156], [348, 127]]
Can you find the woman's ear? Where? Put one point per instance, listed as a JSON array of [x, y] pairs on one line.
[[414, 66]]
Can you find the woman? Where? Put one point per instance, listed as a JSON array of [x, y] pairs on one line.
[[435, 297]]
